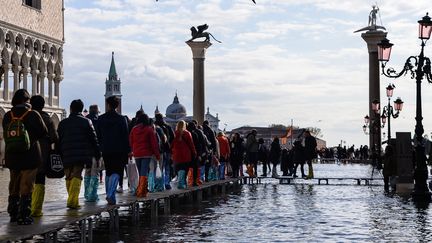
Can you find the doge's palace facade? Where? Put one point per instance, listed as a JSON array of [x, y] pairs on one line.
[[31, 52]]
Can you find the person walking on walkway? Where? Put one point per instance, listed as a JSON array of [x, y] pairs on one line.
[[143, 140], [275, 154], [46, 144], [237, 155], [225, 152], [200, 143], [263, 156], [213, 148], [183, 152], [113, 135], [93, 115], [166, 149], [252, 153], [310, 152], [22, 128], [299, 158], [79, 149], [390, 169]]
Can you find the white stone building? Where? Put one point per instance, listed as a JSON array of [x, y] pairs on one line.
[[31, 53]]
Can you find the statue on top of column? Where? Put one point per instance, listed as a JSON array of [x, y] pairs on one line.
[[199, 32], [372, 25]]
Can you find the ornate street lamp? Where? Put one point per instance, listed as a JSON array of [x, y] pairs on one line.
[[418, 67], [389, 111]]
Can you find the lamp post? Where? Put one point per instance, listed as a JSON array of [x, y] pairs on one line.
[[374, 126], [389, 110], [418, 67]]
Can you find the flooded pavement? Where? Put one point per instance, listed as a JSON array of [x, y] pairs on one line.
[[280, 213]]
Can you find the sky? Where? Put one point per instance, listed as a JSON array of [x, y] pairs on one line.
[[279, 60]]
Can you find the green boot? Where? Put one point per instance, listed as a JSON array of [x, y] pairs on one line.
[[37, 200]]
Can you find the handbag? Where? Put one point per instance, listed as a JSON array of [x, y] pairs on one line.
[[133, 178], [55, 167]]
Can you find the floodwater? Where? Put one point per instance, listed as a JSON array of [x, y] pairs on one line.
[[271, 212]]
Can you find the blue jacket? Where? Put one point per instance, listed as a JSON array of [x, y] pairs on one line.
[[113, 133]]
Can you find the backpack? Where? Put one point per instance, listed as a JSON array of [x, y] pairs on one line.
[[17, 139]]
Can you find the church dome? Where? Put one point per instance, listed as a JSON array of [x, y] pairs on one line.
[[176, 110]]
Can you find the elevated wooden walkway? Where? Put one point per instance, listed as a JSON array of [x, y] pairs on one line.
[[57, 216], [359, 180]]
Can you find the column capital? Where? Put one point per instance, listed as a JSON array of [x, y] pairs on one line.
[[25, 70], [51, 76], [16, 69], [35, 72], [199, 48], [372, 38]]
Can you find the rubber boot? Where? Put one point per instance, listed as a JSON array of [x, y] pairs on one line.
[[181, 184], [151, 182], [86, 188], [68, 185], [92, 194], [198, 179], [24, 211], [274, 172], [310, 171], [142, 187], [74, 190], [111, 188], [12, 208], [37, 200], [190, 181]]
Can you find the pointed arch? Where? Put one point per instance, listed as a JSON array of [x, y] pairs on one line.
[[10, 40], [2, 38], [5, 56], [50, 67], [33, 63], [15, 60]]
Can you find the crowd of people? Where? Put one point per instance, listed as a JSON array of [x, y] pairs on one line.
[[190, 154]]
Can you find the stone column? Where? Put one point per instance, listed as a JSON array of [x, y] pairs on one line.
[[42, 77], [6, 68], [16, 71], [198, 52], [50, 89], [372, 38], [25, 72], [34, 74]]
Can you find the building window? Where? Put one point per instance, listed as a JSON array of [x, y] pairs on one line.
[[115, 87], [109, 88], [33, 3]]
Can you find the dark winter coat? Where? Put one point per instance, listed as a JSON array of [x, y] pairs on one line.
[[47, 141], [36, 129], [78, 143], [210, 137], [251, 143], [275, 153], [263, 153], [237, 151], [113, 133], [298, 153], [310, 148]]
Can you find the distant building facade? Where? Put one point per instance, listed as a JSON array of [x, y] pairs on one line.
[[177, 112], [31, 53], [113, 85]]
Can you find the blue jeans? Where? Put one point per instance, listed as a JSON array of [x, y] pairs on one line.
[[167, 168], [143, 165]]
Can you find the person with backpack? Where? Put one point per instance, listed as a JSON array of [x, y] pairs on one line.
[[200, 144], [166, 149], [144, 144], [22, 130], [225, 153], [46, 143], [113, 135], [213, 147], [78, 147]]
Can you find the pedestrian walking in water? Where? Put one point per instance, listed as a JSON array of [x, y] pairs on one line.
[[79, 148], [225, 152], [299, 158], [252, 153], [275, 154], [183, 152], [237, 155], [46, 144], [144, 145], [310, 152], [113, 134], [22, 130], [93, 115], [213, 147], [201, 146]]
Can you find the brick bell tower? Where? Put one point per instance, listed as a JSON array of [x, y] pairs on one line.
[[113, 84]]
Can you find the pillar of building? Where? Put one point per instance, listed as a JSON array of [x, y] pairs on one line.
[[42, 76], [6, 68], [372, 38], [34, 74], [50, 89], [16, 75], [198, 53], [24, 73]]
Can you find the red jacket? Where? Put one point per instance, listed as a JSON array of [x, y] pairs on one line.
[[224, 147], [183, 149], [143, 142]]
